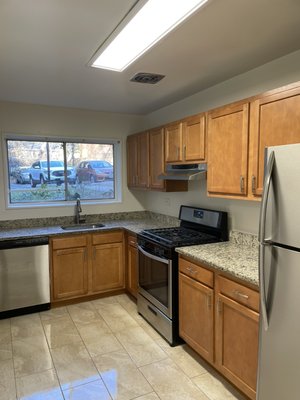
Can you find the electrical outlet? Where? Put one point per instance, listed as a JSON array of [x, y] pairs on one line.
[[167, 201]]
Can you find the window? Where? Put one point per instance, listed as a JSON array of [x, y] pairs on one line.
[[42, 171]]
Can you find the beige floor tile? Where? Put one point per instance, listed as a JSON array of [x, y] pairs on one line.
[[91, 391], [98, 338], [42, 386], [7, 380], [83, 313], [123, 380], [150, 330], [61, 331], [5, 340], [217, 388], [57, 312], [104, 300], [26, 326], [141, 348], [74, 365], [187, 360], [150, 396], [170, 383], [116, 317], [31, 355]]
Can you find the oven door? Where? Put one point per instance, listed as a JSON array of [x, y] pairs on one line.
[[155, 280]]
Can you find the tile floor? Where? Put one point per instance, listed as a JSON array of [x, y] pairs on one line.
[[99, 350]]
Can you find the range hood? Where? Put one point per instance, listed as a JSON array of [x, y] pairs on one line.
[[184, 172]]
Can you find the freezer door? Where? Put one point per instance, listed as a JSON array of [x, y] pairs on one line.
[[279, 349], [283, 205]]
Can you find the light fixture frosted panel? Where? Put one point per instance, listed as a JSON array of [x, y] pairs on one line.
[[154, 20]]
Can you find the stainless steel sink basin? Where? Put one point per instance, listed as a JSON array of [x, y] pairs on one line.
[[80, 227]]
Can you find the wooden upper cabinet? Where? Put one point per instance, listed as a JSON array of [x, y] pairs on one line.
[[132, 160], [185, 140], [275, 120], [157, 157], [194, 138], [138, 160], [227, 137], [173, 142]]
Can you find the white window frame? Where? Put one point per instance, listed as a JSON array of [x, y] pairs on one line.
[[65, 203]]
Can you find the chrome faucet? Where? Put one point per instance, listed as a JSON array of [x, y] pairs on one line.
[[78, 218]]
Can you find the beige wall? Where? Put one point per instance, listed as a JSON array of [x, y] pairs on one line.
[[56, 121], [243, 214], [66, 122]]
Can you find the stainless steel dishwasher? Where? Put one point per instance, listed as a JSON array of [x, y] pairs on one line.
[[24, 276]]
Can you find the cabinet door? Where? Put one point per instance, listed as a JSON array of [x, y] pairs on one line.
[[194, 138], [132, 277], [70, 273], [228, 151], [196, 316], [157, 157], [275, 120], [143, 160], [173, 142], [237, 343], [107, 267], [132, 161]]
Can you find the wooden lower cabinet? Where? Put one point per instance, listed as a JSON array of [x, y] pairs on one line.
[[107, 267], [86, 264], [196, 316], [70, 273], [132, 266], [224, 331]]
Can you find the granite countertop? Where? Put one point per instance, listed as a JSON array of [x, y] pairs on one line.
[[238, 257], [135, 223]]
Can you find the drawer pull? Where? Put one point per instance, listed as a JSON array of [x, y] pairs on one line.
[[132, 242], [191, 270], [153, 311], [240, 294]]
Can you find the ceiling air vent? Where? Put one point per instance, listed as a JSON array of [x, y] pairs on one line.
[[146, 77]]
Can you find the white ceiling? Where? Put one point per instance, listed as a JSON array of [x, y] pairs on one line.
[[45, 46]]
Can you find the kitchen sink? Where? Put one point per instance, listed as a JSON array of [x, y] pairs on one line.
[[80, 227]]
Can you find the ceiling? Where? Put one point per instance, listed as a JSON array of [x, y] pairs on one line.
[[45, 46]]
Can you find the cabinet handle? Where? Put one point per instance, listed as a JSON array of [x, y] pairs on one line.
[[191, 270], [177, 153], [208, 300], [253, 184], [94, 253], [184, 152], [242, 183], [240, 294], [132, 243]]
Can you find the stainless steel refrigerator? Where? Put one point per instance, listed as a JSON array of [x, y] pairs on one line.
[[279, 269]]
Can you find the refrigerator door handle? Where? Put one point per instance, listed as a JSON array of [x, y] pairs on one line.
[[262, 283], [265, 195]]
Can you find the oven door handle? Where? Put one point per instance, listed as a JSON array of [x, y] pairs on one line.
[[163, 260]]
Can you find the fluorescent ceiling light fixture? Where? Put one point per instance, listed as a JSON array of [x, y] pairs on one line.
[[150, 24]]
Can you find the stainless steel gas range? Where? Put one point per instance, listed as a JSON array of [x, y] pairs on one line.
[[158, 264]]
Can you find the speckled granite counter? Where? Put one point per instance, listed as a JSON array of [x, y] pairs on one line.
[[238, 257], [134, 223]]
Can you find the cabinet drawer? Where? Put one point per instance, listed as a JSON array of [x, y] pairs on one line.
[[69, 242], [132, 240], [107, 237], [196, 272], [240, 293]]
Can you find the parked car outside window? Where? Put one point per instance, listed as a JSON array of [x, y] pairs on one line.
[[22, 175], [42, 172], [94, 171]]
